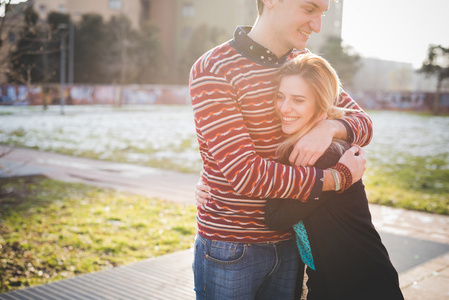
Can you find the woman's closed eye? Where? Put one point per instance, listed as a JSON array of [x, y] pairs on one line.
[[280, 97]]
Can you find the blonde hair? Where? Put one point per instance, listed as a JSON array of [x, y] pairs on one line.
[[325, 85]]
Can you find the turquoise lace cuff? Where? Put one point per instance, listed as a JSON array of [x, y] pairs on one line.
[[302, 241]]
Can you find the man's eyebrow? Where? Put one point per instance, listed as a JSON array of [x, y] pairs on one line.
[[315, 5]]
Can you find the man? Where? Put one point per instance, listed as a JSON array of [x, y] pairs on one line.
[[236, 255]]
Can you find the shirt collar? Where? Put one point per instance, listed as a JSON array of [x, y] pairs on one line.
[[254, 51]]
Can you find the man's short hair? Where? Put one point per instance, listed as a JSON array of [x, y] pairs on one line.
[[260, 6]]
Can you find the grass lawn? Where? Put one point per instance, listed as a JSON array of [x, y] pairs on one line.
[[416, 183], [50, 230]]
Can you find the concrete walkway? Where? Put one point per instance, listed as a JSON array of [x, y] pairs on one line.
[[169, 185], [428, 280]]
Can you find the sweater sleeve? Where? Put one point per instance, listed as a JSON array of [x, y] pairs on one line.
[[282, 214], [221, 126], [358, 124]]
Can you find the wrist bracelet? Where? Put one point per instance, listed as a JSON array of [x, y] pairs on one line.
[[346, 176], [343, 181], [336, 179]]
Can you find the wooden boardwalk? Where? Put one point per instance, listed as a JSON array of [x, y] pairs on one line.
[[168, 277]]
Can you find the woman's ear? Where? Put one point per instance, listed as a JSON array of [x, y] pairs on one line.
[[322, 117], [319, 118]]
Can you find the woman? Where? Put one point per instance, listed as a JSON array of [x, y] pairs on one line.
[[335, 237]]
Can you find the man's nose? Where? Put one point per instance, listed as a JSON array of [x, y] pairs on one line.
[[315, 23]]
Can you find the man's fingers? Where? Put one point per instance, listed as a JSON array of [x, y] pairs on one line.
[[313, 160], [301, 160], [293, 156], [306, 161]]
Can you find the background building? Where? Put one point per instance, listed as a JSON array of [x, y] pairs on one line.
[[178, 19], [137, 11], [183, 25]]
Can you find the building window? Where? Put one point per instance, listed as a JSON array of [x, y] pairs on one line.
[[145, 12], [188, 10], [42, 8], [62, 8], [115, 4]]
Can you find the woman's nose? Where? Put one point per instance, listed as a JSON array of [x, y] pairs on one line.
[[285, 107]]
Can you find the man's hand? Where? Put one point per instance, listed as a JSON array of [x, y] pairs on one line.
[[354, 158], [313, 144]]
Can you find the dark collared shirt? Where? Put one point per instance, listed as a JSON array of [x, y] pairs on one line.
[[254, 51]]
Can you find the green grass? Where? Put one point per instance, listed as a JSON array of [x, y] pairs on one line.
[[51, 230], [419, 183]]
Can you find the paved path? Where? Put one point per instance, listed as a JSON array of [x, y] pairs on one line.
[[401, 229], [169, 185]]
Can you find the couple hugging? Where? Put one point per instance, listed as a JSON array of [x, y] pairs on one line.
[[282, 183]]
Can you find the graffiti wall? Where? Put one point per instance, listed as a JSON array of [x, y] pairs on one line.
[[170, 94], [93, 94], [414, 101]]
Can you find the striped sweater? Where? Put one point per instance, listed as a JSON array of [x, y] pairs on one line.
[[238, 132]]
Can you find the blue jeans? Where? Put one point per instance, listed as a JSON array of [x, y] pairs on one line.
[[226, 270]]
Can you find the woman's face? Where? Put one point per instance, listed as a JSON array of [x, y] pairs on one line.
[[295, 103]]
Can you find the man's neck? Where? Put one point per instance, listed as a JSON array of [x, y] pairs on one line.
[[261, 34]]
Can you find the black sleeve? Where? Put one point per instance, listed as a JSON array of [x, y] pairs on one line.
[[282, 214]]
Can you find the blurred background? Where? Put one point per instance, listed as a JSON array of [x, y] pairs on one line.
[[108, 80], [120, 69], [388, 55]]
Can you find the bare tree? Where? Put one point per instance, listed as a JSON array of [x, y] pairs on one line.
[[5, 5], [437, 64], [24, 45]]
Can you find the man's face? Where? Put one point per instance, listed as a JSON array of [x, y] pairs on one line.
[[295, 20]]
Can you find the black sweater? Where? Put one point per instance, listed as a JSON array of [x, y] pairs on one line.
[[350, 260]]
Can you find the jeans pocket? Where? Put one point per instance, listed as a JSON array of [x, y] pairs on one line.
[[226, 252]]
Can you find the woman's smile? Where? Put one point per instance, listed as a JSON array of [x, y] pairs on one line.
[[289, 120], [295, 103]]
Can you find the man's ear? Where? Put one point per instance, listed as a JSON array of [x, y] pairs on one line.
[[269, 3]]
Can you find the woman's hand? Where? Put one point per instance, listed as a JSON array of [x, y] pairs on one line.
[[354, 158], [202, 193]]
